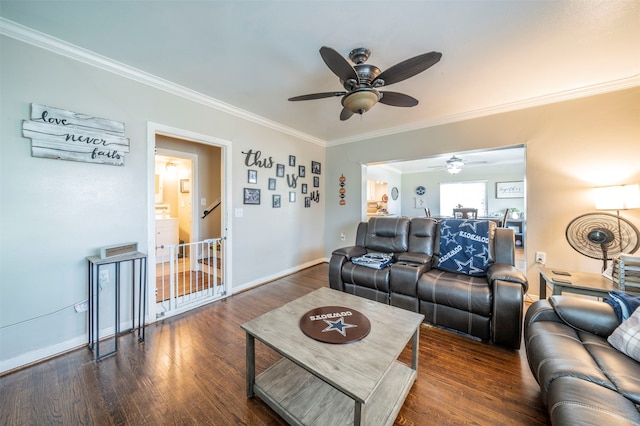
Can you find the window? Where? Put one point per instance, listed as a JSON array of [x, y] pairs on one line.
[[465, 194]]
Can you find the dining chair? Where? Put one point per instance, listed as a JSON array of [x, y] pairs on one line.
[[465, 213]]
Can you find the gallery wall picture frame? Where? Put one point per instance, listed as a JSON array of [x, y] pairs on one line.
[[280, 170], [185, 186], [252, 176], [315, 168], [304, 188], [316, 182], [307, 202], [514, 189], [301, 171], [276, 201], [292, 160], [272, 184], [292, 197], [251, 196]]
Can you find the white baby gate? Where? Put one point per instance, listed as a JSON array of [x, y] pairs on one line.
[[189, 275]]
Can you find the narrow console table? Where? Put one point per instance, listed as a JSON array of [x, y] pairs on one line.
[[95, 264]]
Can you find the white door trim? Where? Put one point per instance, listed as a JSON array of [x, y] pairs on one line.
[[154, 129]]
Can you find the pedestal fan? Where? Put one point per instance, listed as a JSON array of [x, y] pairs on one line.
[[602, 236]]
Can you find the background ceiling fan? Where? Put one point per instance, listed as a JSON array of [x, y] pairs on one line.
[[361, 80], [455, 164]]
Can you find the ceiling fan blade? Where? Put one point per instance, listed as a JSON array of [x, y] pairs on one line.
[[409, 68], [338, 64], [317, 96], [345, 114], [397, 99]]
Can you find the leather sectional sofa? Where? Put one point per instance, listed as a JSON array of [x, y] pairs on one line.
[[583, 379], [489, 306]]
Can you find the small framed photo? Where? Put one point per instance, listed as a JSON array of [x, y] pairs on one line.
[[304, 188], [280, 170], [292, 197], [272, 184], [307, 202], [252, 176], [301, 171], [251, 196], [316, 182], [292, 160], [185, 186], [315, 168], [276, 201]]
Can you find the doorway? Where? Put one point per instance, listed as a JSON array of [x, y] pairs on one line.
[[188, 226]]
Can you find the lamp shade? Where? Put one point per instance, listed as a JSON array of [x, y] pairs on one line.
[[361, 100], [621, 197]]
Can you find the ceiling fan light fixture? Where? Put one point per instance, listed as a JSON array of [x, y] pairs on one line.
[[454, 170], [361, 100], [455, 162]]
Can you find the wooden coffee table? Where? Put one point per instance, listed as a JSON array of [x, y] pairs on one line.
[[319, 383]]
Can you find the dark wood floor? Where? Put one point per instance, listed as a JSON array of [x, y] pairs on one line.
[[190, 371]]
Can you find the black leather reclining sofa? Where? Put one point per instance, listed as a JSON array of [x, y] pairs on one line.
[[489, 307], [583, 379]]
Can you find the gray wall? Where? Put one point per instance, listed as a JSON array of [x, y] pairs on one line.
[[571, 147], [55, 213]]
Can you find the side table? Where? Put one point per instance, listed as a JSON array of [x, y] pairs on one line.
[[586, 283], [95, 264]]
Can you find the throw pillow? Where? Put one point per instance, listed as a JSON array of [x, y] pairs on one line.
[[623, 303], [626, 338]]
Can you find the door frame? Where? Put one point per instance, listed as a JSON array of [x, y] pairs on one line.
[[154, 129]]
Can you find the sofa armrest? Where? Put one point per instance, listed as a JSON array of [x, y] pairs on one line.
[[419, 258], [338, 258], [504, 272], [591, 316], [349, 252], [508, 308]]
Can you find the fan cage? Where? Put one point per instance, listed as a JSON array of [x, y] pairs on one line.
[[626, 238]]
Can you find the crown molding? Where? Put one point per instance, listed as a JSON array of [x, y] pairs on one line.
[[582, 92], [44, 41]]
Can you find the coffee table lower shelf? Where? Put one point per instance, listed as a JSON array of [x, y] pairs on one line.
[[301, 398]]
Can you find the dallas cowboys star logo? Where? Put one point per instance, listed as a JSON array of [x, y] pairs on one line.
[[338, 325], [484, 255], [449, 237], [471, 224]]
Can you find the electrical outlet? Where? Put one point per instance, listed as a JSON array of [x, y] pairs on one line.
[[82, 306], [343, 236], [541, 257]]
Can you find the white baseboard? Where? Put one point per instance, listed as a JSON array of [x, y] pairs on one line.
[[278, 275], [52, 351], [42, 354]]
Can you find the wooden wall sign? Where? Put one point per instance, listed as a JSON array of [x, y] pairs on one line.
[[67, 135]]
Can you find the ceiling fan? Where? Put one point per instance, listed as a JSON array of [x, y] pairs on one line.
[[361, 80], [454, 165]]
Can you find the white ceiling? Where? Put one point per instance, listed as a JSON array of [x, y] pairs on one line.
[[253, 55]]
